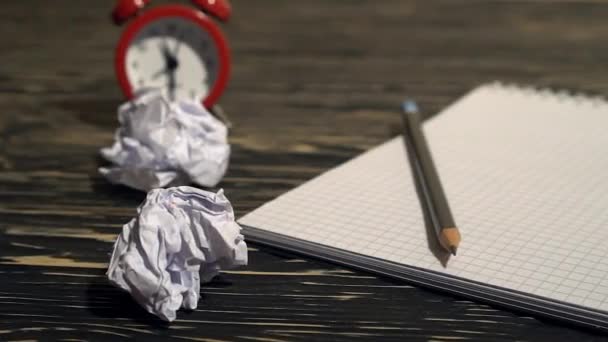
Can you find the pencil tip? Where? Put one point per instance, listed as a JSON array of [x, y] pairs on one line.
[[453, 250]]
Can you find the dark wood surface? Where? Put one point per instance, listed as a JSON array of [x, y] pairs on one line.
[[315, 82]]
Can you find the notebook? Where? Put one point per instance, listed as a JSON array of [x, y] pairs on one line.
[[526, 175]]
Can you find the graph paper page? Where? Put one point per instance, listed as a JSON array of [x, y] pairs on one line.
[[526, 176]]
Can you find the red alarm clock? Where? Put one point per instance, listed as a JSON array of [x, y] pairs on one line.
[[176, 48]]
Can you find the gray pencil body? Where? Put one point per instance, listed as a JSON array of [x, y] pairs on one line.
[[444, 224]]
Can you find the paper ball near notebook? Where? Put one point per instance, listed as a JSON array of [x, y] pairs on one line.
[[179, 237]]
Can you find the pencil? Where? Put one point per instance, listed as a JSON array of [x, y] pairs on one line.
[[434, 196]]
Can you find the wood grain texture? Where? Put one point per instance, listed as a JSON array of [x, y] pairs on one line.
[[315, 82]]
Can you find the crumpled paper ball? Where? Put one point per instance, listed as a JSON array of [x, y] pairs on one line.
[[180, 237], [161, 143]]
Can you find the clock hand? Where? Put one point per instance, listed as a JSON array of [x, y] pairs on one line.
[[176, 50], [164, 51], [170, 60], [171, 65], [171, 85], [169, 70]]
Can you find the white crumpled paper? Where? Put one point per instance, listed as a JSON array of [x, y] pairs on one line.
[[180, 237], [162, 143]]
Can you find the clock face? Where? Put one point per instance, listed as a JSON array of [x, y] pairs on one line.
[[175, 55], [177, 49]]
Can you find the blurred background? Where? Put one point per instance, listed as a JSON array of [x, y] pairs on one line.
[[320, 79]]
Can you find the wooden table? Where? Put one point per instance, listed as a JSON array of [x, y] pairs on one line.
[[315, 82]]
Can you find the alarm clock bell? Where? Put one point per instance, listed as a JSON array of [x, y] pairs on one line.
[[126, 9]]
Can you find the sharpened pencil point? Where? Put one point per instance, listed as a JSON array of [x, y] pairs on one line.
[[453, 250]]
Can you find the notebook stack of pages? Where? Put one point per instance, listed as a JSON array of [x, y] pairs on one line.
[[526, 176]]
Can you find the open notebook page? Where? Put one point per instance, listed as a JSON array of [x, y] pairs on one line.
[[526, 175]]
